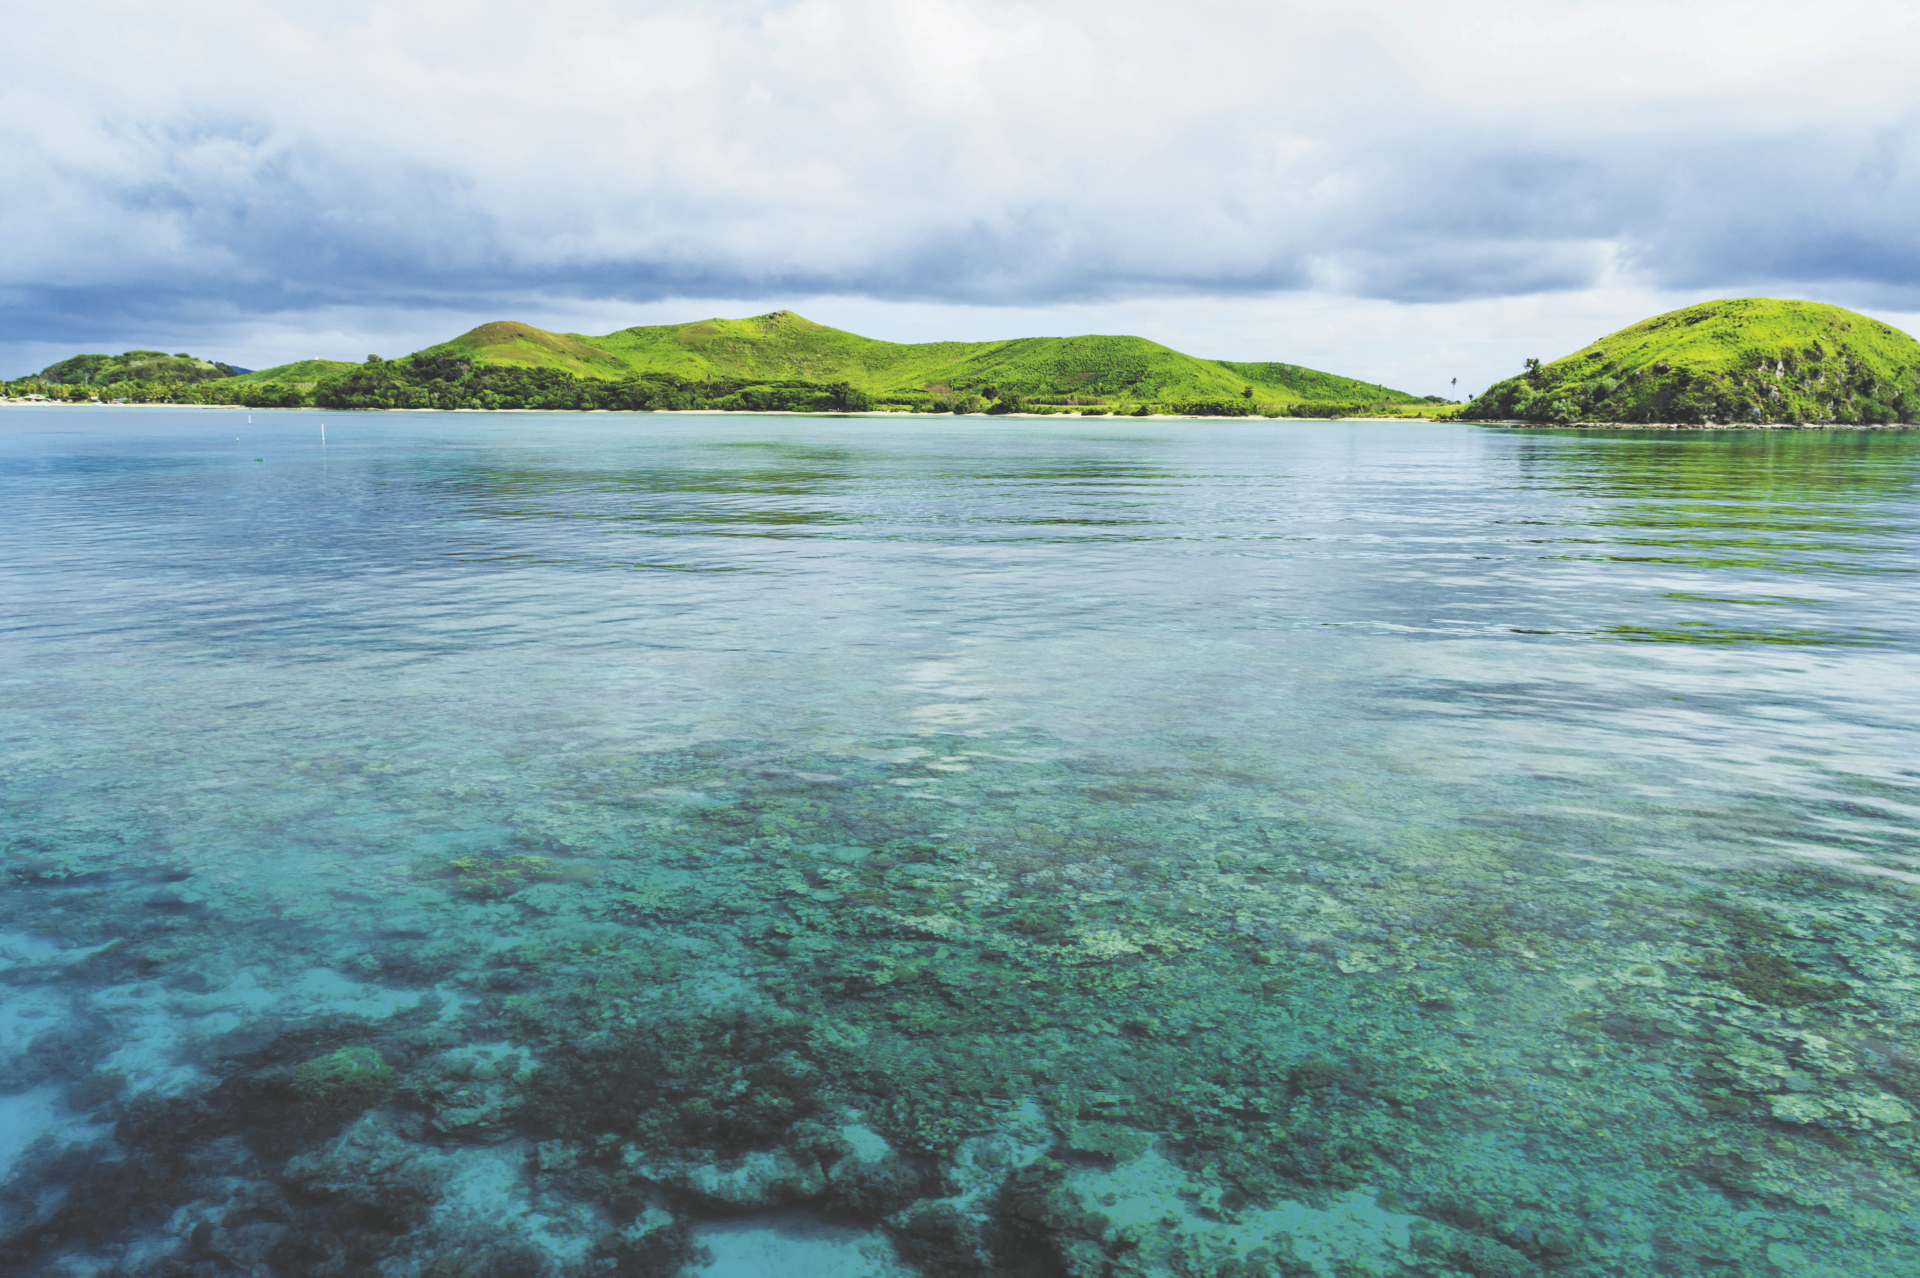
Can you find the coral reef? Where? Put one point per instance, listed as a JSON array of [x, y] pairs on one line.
[[344, 1081], [1068, 1025]]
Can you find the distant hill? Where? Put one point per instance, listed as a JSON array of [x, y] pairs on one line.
[[305, 373], [774, 362], [1311, 384], [134, 366], [1748, 359], [783, 346]]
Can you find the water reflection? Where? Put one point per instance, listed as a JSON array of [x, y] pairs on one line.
[[1706, 632]]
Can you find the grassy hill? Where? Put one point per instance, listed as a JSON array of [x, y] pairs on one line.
[[774, 362], [1311, 384], [511, 344], [304, 373], [782, 346], [134, 366], [1749, 359]]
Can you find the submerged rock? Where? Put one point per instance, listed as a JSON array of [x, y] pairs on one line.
[[760, 1179]]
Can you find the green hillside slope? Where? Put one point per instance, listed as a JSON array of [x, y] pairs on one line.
[[133, 366], [304, 373], [782, 346], [511, 344], [1312, 384], [1749, 359]]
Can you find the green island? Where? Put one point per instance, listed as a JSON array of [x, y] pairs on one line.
[[1734, 362], [778, 362], [1743, 361]]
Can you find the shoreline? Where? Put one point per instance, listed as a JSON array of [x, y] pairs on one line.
[[1507, 423], [716, 412]]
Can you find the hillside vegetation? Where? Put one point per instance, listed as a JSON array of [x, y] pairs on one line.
[[134, 366], [1313, 385], [304, 374], [1749, 359], [784, 347], [774, 362]]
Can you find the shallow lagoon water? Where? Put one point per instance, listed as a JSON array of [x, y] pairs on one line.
[[709, 845]]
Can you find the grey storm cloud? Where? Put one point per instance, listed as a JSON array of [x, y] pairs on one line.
[[229, 159]]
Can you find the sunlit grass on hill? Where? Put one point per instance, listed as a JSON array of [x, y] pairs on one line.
[[304, 374], [783, 346], [511, 344]]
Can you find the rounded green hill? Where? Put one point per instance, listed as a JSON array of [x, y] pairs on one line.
[[133, 366], [302, 374], [1747, 359], [782, 345]]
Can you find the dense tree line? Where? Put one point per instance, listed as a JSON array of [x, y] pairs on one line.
[[448, 381], [226, 391]]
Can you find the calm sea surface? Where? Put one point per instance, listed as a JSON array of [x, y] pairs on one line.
[[558, 844]]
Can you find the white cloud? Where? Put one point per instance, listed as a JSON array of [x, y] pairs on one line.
[[229, 171]]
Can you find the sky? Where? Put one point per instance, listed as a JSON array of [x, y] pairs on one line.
[[1409, 193]]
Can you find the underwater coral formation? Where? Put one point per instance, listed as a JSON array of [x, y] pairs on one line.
[[1399, 851], [1058, 1023], [344, 1081]]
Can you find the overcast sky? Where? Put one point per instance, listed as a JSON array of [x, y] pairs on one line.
[[1405, 192]]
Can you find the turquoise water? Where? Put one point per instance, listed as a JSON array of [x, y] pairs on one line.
[[725, 845]]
